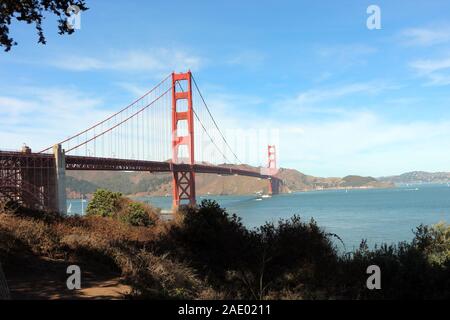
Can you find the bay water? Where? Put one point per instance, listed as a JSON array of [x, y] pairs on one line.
[[377, 215]]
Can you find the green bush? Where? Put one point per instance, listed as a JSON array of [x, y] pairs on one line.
[[104, 203], [249, 263], [210, 238], [297, 260], [288, 254], [136, 215], [210, 249], [416, 270], [434, 241]]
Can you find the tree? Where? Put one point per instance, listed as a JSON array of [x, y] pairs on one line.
[[31, 11], [104, 203]]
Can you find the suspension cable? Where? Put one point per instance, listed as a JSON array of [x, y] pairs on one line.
[[214, 121], [112, 116], [118, 124], [204, 129]]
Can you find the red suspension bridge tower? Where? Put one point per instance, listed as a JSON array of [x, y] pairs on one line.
[[274, 184], [272, 154], [139, 137], [184, 180]]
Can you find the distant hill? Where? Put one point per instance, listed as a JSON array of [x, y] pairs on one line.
[[159, 184], [415, 177], [358, 181]]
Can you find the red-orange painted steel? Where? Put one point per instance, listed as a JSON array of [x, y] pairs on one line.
[[29, 178], [271, 151], [274, 184], [183, 181]]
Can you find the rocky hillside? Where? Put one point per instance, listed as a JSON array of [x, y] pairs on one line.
[[418, 177], [297, 181], [159, 184]]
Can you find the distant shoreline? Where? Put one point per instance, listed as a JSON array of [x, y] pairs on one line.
[[142, 194], [133, 196]]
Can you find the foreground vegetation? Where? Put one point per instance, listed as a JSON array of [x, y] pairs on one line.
[[205, 253]]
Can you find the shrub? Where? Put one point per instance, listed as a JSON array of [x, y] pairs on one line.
[[104, 203], [111, 204], [103, 244], [210, 238], [245, 263], [288, 254], [159, 277], [434, 241], [38, 236], [208, 253], [137, 215], [416, 270], [296, 259]]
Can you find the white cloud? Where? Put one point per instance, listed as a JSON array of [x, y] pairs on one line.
[[46, 116], [437, 71], [316, 95], [312, 100], [77, 63], [365, 144], [430, 66], [11, 108], [345, 51], [135, 89], [358, 142], [345, 55], [248, 59], [354, 142], [439, 79], [426, 36], [152, 60]]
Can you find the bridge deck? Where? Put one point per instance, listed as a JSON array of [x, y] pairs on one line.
[[31, 178], [111, 164]]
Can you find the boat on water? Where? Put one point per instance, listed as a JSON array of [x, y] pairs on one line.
[[260, 196]]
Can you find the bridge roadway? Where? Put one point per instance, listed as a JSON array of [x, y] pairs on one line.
[[31, 179], [12, 159], [111, 164]]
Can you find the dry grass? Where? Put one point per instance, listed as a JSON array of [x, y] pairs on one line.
[[36, 235], [101, 241], [206, 254]]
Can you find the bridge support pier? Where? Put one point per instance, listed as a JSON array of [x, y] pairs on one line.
[[274, 186], [183, 188], [60, 167]]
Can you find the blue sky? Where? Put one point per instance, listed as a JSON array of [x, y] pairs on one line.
[[343, 99]]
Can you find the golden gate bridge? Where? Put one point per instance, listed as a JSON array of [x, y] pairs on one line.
[[162, 131]]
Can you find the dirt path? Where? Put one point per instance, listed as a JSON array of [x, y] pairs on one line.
[[48, 289], [48, 282]]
